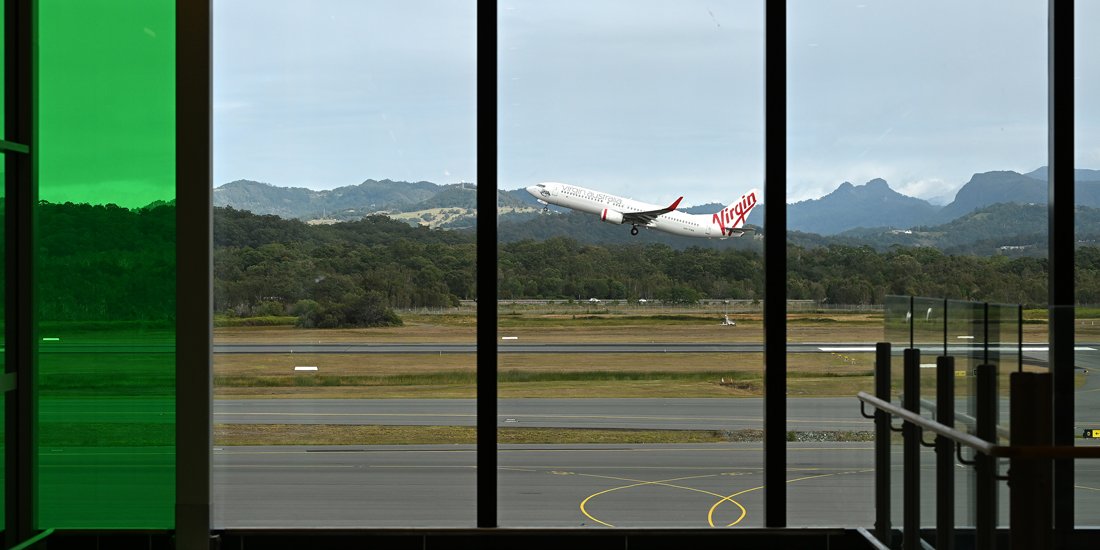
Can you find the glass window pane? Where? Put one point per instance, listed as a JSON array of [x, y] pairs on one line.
[[105, 264], [902, 157], [631, 365], [1086, 79], [344, 284]]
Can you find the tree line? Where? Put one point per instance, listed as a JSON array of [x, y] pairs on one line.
[[106, 263], [268, 260]]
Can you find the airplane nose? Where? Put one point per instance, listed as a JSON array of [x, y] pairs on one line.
[[533, 189]]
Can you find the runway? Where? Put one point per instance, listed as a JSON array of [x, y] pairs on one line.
[[598, 486], [714, 485], [805, 414], [707, 485], [509, 347]]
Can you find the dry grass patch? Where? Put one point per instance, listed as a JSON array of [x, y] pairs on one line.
[[377, 364], [386, 376], [329, 434], [334, 434]]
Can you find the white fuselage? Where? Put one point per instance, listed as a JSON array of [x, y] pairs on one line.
[[596, 202]]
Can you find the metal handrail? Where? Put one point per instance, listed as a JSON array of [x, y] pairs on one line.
[[871, 539], [1002, 430], [33, 540], [980, 445]]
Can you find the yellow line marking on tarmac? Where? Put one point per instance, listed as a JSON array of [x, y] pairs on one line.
[[1084, 487], [663, 482], [730, 498]]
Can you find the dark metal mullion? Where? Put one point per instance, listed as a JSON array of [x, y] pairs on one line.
[[20, 198], [487, 271], [194, 273], [775, 264], [1060, 215]]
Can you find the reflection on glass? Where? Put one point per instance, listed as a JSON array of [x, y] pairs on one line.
[[105, 265], [344, 264]]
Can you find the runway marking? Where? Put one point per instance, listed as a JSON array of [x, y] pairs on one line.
[[639, 483], [512, 469], [289, 466], [1084, 487], [724, 499], [229, 413], [302, 452]]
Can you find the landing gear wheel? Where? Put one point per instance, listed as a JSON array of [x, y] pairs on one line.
[[634, 230]]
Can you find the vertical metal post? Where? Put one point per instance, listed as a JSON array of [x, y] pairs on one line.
[[911, 453], [1030, 505], [1061, 241], [775, 264], [21, 196], [487, 273], [985, 523], [945, 454], [194, 275], [882, 444]]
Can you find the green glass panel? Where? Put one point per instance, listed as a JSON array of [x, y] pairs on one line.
[[105, 264]]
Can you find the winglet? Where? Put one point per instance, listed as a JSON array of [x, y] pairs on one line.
[[675, 204]]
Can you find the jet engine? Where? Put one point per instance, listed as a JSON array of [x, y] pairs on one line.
[[611, 216]]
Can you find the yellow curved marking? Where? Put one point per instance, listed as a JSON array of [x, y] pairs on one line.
[[710, 514], [1084, 487], [663, 482]]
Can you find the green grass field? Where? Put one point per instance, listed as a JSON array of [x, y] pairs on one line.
[[560, 375]]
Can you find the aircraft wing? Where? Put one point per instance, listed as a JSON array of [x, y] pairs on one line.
[[645, 218]]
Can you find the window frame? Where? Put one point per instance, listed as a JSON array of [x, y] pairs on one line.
[[194, 274]]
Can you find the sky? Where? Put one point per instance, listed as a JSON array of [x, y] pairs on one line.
[[651, 99]]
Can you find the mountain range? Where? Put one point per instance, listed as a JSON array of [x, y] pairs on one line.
[[849, 212]]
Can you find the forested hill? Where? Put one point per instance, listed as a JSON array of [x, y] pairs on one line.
[[106, 265], [267, 264], [93, 269]]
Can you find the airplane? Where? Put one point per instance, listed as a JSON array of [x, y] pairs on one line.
[[727, 222]]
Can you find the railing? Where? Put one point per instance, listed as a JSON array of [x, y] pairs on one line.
[[1031, 451]]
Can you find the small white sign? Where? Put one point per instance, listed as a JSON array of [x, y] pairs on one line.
[[509, 337], [305, 368]]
